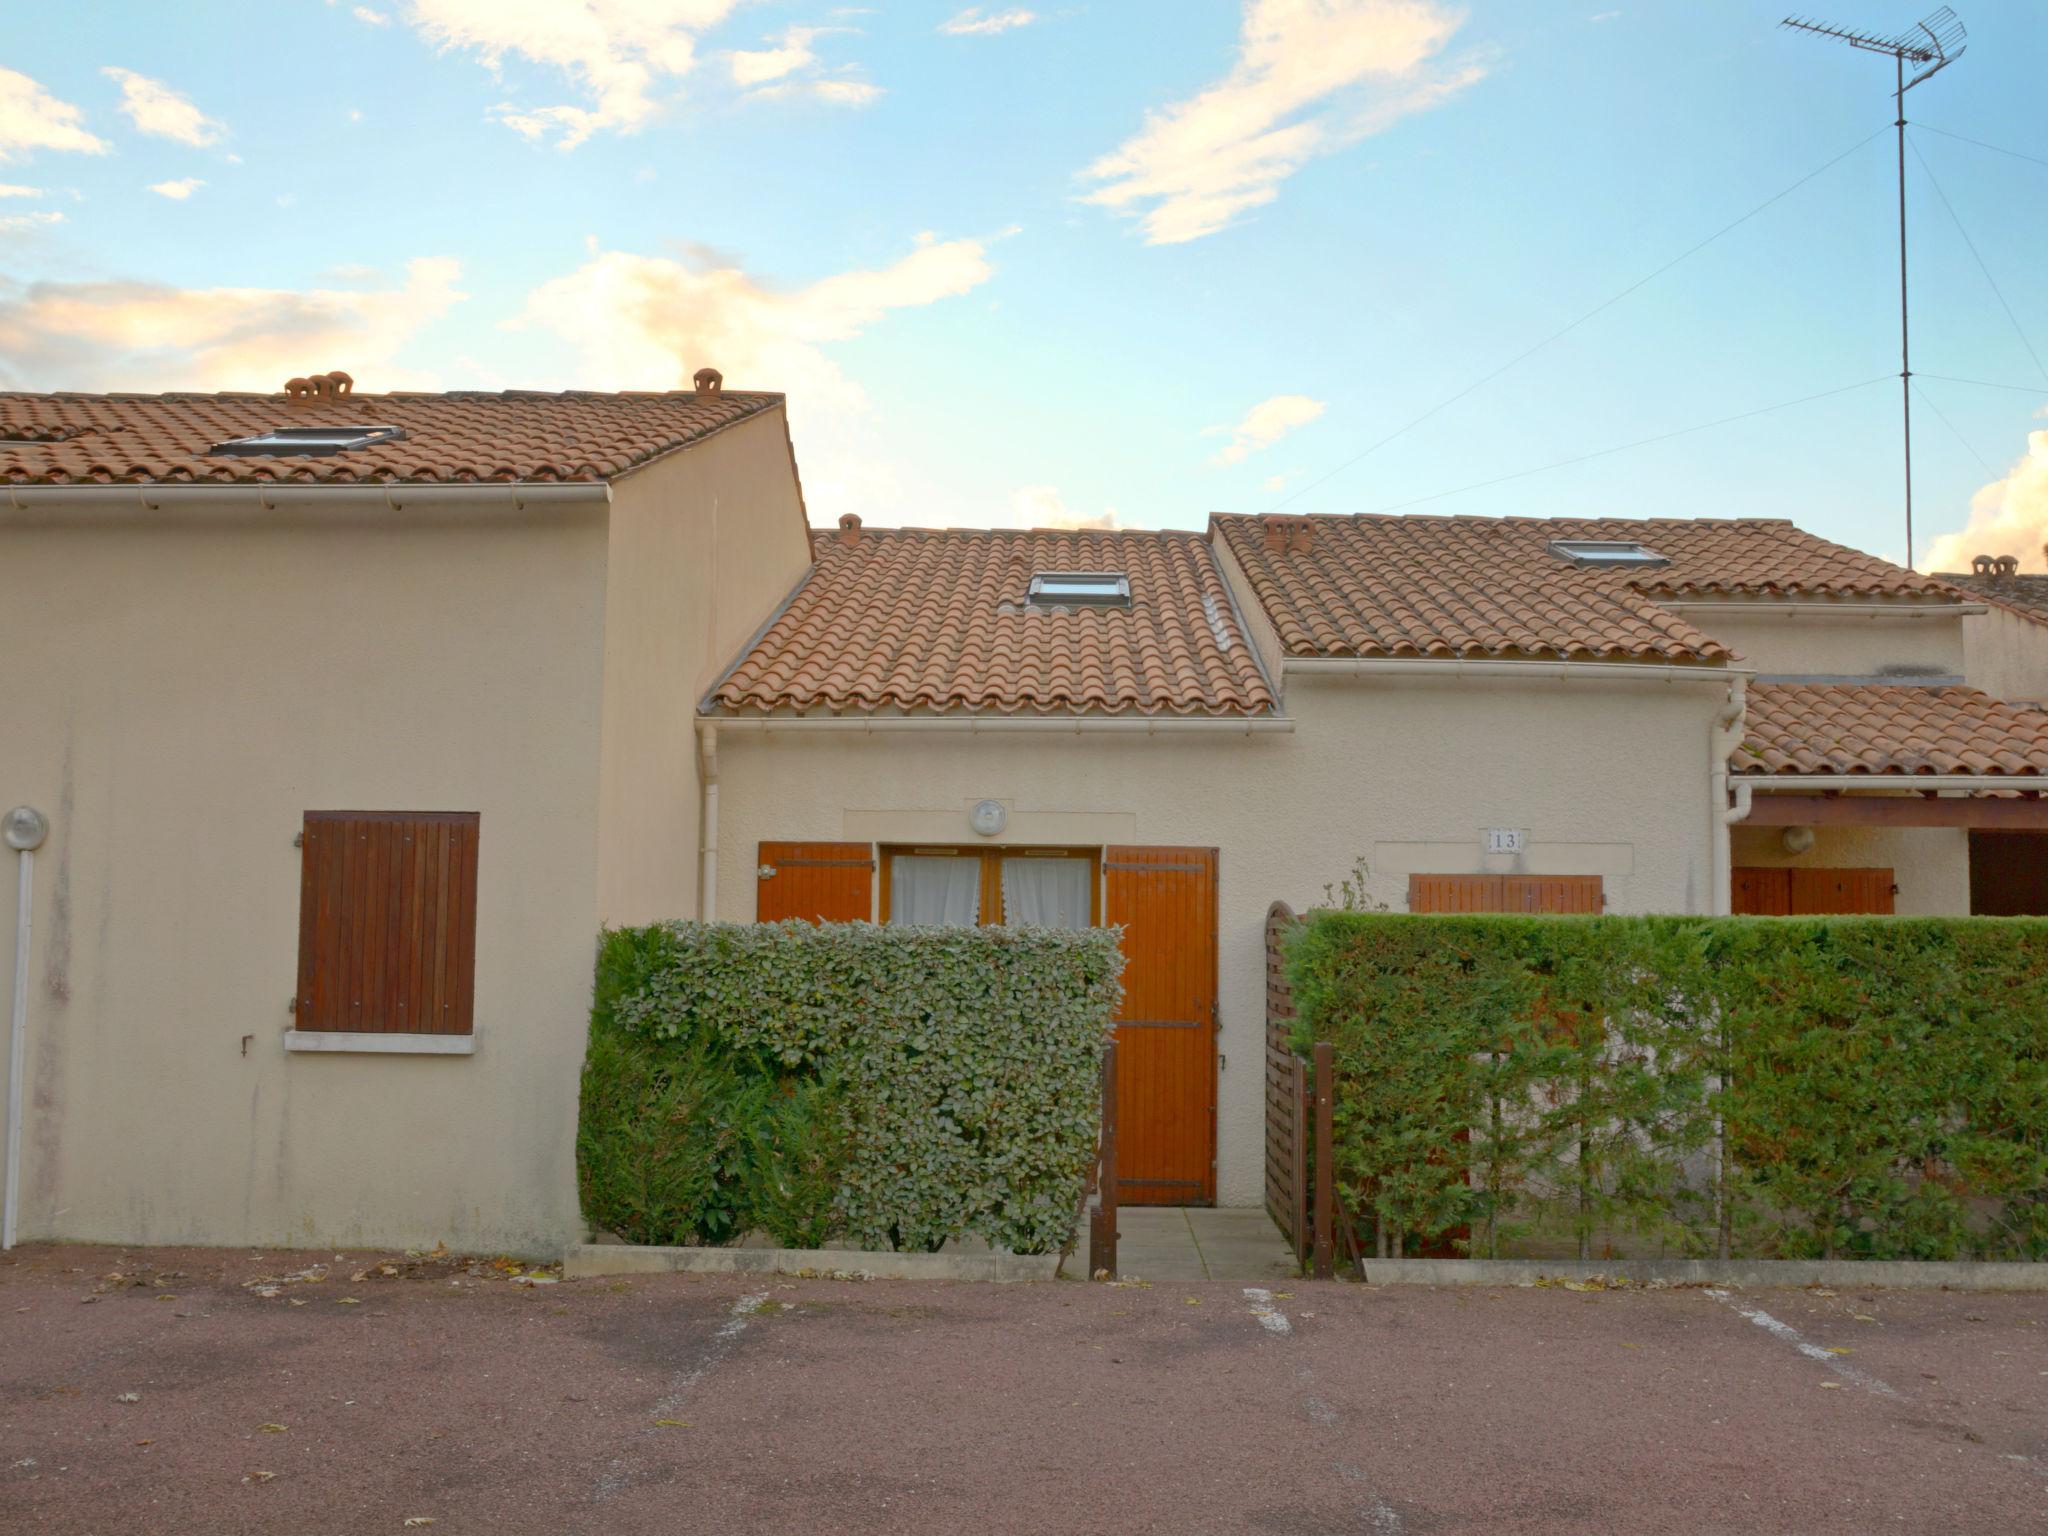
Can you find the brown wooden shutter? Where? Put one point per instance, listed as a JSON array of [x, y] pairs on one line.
[[1506, 893], [818, 882], [1823, 891], [387, 922], [1165, 901], [1759, 892]]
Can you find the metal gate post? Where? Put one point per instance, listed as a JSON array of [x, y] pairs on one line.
[[1326, 1171]]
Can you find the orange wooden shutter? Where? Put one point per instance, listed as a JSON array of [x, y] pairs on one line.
[[387, 922], [1454, 893], [1165, 900], [1760, 892], [818, 882], [1821, 891], [1552, 893]]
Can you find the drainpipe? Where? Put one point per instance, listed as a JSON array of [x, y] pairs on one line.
[[1723, 737], [24, 828], [707, 823]]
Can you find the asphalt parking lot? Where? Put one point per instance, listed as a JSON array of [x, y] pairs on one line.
[[188, 1391]]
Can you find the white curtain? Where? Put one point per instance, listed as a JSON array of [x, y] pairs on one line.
[[1046, 893], [934, 890]]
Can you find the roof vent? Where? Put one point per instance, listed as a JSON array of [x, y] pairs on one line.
[[307, 442], [1081, 589], [319, 387], [849, 528], [1285, 535], [709, 381], [1592, 553]]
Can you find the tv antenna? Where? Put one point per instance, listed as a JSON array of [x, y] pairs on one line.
[[1930, 47]]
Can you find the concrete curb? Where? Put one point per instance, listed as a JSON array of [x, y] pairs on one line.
[[586, 1260], [1848, 1274]]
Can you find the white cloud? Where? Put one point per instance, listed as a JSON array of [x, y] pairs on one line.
[[9, 189], [1264, 425], [1042, 506], [370, 18], [1310, 77], [618, 53], [31, 118], [973, 23], [846, 93], [790, 53], [1273, 484], [177, 191], [151, 336], [649, 322], [155, 109], [22, 223], [2007, 517]]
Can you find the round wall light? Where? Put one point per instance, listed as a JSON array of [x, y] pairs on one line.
[[25, 827], [1797, 839], [988, 818]]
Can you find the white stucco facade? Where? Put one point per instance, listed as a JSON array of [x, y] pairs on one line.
[[1603, 777], [188, 679]]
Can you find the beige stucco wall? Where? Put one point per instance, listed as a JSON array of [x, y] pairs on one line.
[[1604, 779], [2006, 654], [1930, 865], [705, 544], [182, 688], [1822, 639]]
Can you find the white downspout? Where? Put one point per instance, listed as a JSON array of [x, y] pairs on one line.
[[707, 837], [25, 830], [1723, 737]]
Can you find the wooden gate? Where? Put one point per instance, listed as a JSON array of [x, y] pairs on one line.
[[1165, 899], [1758, 891]]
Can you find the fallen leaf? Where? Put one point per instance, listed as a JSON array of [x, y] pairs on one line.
[[1631, 1346], [259, 1477], [1862, 1317], [348, 1301], [270, 1429], [1832, 1386], [1193, 1301], [145, 1442], [162, 1297], [1838, 1350], [672, 1423]]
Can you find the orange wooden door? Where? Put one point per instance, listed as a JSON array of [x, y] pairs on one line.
[[1165, 899], [1822, 891], [1760, 892], [818, 882], [1552, 893]]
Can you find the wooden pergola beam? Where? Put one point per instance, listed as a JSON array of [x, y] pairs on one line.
[[1894, 810]]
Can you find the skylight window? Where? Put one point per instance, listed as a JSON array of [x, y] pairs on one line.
[[1597, 552], [294, 442], [1100, 589]]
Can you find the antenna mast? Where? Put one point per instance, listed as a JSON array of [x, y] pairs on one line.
[[1930, 47]]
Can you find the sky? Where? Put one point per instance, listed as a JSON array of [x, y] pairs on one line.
[[1119, 263]]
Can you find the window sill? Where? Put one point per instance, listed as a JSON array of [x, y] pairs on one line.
[[365, 1043]]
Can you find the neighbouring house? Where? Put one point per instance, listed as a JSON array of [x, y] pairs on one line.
[[2006, 646], [354, 716], [1173, 730]]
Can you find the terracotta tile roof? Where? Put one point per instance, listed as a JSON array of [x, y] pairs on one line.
[[1881, 728], [936, 620], [517, 435], [2027, 594], [1482, 586]]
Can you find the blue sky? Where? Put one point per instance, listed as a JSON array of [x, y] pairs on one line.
[[1026, 263]]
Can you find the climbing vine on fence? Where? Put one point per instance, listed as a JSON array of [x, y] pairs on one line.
[[1771, 1087], [844, 1082]]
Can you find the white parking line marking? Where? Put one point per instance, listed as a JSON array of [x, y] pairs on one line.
[[1270, 1317], [1792, 1336], [620, 1472]]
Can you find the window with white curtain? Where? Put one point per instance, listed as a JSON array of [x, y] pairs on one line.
[[1047, 893], [933, 889]]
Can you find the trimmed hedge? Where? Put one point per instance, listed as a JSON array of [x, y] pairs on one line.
[[1763, 1087], [877, 1086]]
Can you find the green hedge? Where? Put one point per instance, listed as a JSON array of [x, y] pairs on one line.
[[1766, 1087], [845, 1082]]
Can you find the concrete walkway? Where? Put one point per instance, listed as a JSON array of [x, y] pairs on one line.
[[1197, 1243]]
